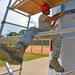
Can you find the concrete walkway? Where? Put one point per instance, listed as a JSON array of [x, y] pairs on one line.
[[34, 67]]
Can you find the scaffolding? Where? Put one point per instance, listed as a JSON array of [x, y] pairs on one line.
[[30, 5]]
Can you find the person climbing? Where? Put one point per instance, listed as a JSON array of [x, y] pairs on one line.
[[14, 55]]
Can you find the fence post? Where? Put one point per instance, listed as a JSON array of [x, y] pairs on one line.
[[42, 47]]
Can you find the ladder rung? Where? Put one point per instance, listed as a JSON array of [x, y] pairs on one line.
[[12, 71]]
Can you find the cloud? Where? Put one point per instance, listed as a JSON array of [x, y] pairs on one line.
[[15, 18]]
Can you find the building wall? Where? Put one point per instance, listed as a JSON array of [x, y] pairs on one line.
[[68, 44]]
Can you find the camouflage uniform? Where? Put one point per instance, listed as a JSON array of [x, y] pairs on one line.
[[15, 53]]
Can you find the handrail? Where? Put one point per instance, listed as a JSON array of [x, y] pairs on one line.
[[59, 31], [69, 72]]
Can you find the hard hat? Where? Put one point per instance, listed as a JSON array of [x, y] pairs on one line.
[[44, 7]]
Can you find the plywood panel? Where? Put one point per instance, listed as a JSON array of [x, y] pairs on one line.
[[33, 6]]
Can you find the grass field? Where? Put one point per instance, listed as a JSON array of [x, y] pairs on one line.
[[27, 57]]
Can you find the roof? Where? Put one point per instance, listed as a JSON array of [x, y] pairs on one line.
[[33, 6]]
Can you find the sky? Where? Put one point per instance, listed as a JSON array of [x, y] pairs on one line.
[[19, 19], [15, 18]]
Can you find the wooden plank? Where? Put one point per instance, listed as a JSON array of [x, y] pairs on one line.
[[29, 8], [58, 2], [33, 6]]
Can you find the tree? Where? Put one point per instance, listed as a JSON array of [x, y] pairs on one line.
[[22, 32], [12, 34]]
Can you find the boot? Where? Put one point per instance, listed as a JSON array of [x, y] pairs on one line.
[[13, 55], [54, 64]]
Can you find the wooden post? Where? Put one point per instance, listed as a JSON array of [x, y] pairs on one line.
[[42, 47]]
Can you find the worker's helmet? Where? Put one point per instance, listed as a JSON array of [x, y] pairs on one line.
[[44, 7]]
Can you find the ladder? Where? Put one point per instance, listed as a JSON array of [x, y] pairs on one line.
[[10, 72]]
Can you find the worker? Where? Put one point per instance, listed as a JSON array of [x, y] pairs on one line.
[[45, 24], [14, 55]]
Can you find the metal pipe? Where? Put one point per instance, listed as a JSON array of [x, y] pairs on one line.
[[8, 68], [28, 22], [14, 3], [69, 72], [12, 71], [60, 31], [20, 69], [15, 24], [18, 12], [19, 4]]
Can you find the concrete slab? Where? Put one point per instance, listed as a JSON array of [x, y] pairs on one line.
[[34, 67]]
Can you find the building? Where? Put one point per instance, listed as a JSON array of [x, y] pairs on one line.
[[68, 42]]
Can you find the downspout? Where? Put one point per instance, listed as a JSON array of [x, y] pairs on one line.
[[62, 7]]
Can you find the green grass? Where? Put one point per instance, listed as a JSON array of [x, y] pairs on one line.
[[27, 57], [1, 63]]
